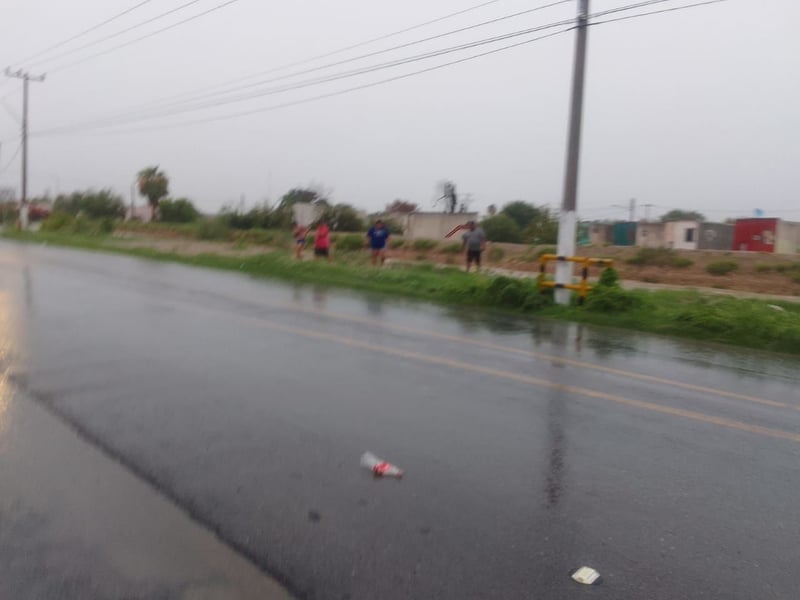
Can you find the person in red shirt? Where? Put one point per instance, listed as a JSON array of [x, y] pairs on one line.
[[322, 241]]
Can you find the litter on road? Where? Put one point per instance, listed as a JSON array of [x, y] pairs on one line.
[[586, 576], [379, 467]]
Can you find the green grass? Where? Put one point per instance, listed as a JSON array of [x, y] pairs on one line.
[[743, 322]]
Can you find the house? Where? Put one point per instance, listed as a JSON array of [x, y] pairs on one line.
[[767, 235], [624, 233], [651, 235], [715, 236], [601, 234]]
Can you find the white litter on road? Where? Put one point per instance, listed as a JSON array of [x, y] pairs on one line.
[[586, 576]]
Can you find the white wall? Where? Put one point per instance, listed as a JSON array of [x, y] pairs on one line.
[[434, 226], [676, 235], [788, 238]]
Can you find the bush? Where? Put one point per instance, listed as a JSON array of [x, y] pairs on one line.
[[92, 204], [658, 257], [682, 262], [423, 245], [609, 278], [611, 299], [764, 268], [501, 228], [496, 254], [58, 221], [396, 243], [788, 267], [177, 211], [453, 248], [722, 267], [350, 242], [213, 230]]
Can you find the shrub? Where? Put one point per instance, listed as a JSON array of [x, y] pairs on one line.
[[658, 257], [177, 211], [501, 228], [94, 204], [350, 242], [423, 245], [722, 267], [213, 230], [787, 267], [610, 299], [58, 221], [764, 268], [496, 254], [396, 243], [681, 262], [452, 248], [609, 278]]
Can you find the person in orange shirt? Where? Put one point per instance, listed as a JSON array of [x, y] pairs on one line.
[[322, 241]]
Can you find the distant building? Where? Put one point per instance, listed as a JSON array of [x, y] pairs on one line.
[[651, 235], [624, 233], [715, 236], [431, 225], [601, 234], [767, 235], [140, 213]]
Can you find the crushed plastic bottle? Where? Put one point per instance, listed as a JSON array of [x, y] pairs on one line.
[[379, 467]]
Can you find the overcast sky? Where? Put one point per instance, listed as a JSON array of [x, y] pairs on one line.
[[692, 109]]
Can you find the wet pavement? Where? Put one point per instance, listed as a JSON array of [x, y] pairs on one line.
[[531, 447]]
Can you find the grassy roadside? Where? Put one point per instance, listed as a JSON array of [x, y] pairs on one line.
[[751, 323]]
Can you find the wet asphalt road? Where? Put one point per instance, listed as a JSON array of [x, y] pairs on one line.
[[531, 448]]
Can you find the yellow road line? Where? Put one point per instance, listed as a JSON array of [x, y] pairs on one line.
[[549, 357], [455, 364]]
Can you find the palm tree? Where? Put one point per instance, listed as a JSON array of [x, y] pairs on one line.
[[154, 185]]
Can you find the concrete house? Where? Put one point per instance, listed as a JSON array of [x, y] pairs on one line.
[[767, 235]]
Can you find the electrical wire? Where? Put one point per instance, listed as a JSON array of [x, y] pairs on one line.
[[192, 104], [386, 50], [367, 42], [656, 12], [84, 32], [303, 84], [118, 33], [68, 129], [348, 90], [146, 36], [11, 160]]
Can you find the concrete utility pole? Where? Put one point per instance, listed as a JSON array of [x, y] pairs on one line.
[[26, 79], [568, 218]]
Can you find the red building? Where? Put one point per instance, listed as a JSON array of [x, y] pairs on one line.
[[766, 235]]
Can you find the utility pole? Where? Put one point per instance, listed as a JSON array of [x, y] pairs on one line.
[[26, 79], [632, 210], [568, 219]]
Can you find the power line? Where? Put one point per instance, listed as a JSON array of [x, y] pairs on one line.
[[121, 32], [352, 89], [347, 48], [311, 82], [84, 32], [656, 12], [156, 105], [11, 160], [193, 103], [114, 122], [387, 50], [147, 36]]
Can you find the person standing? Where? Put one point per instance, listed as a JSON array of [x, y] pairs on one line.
[[300, 233], [322, 241], [474, 245], [377, 236]]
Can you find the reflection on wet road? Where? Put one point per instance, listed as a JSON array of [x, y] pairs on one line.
[[531, 447]]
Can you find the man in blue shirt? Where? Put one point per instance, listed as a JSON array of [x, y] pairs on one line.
[[377, 236]]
